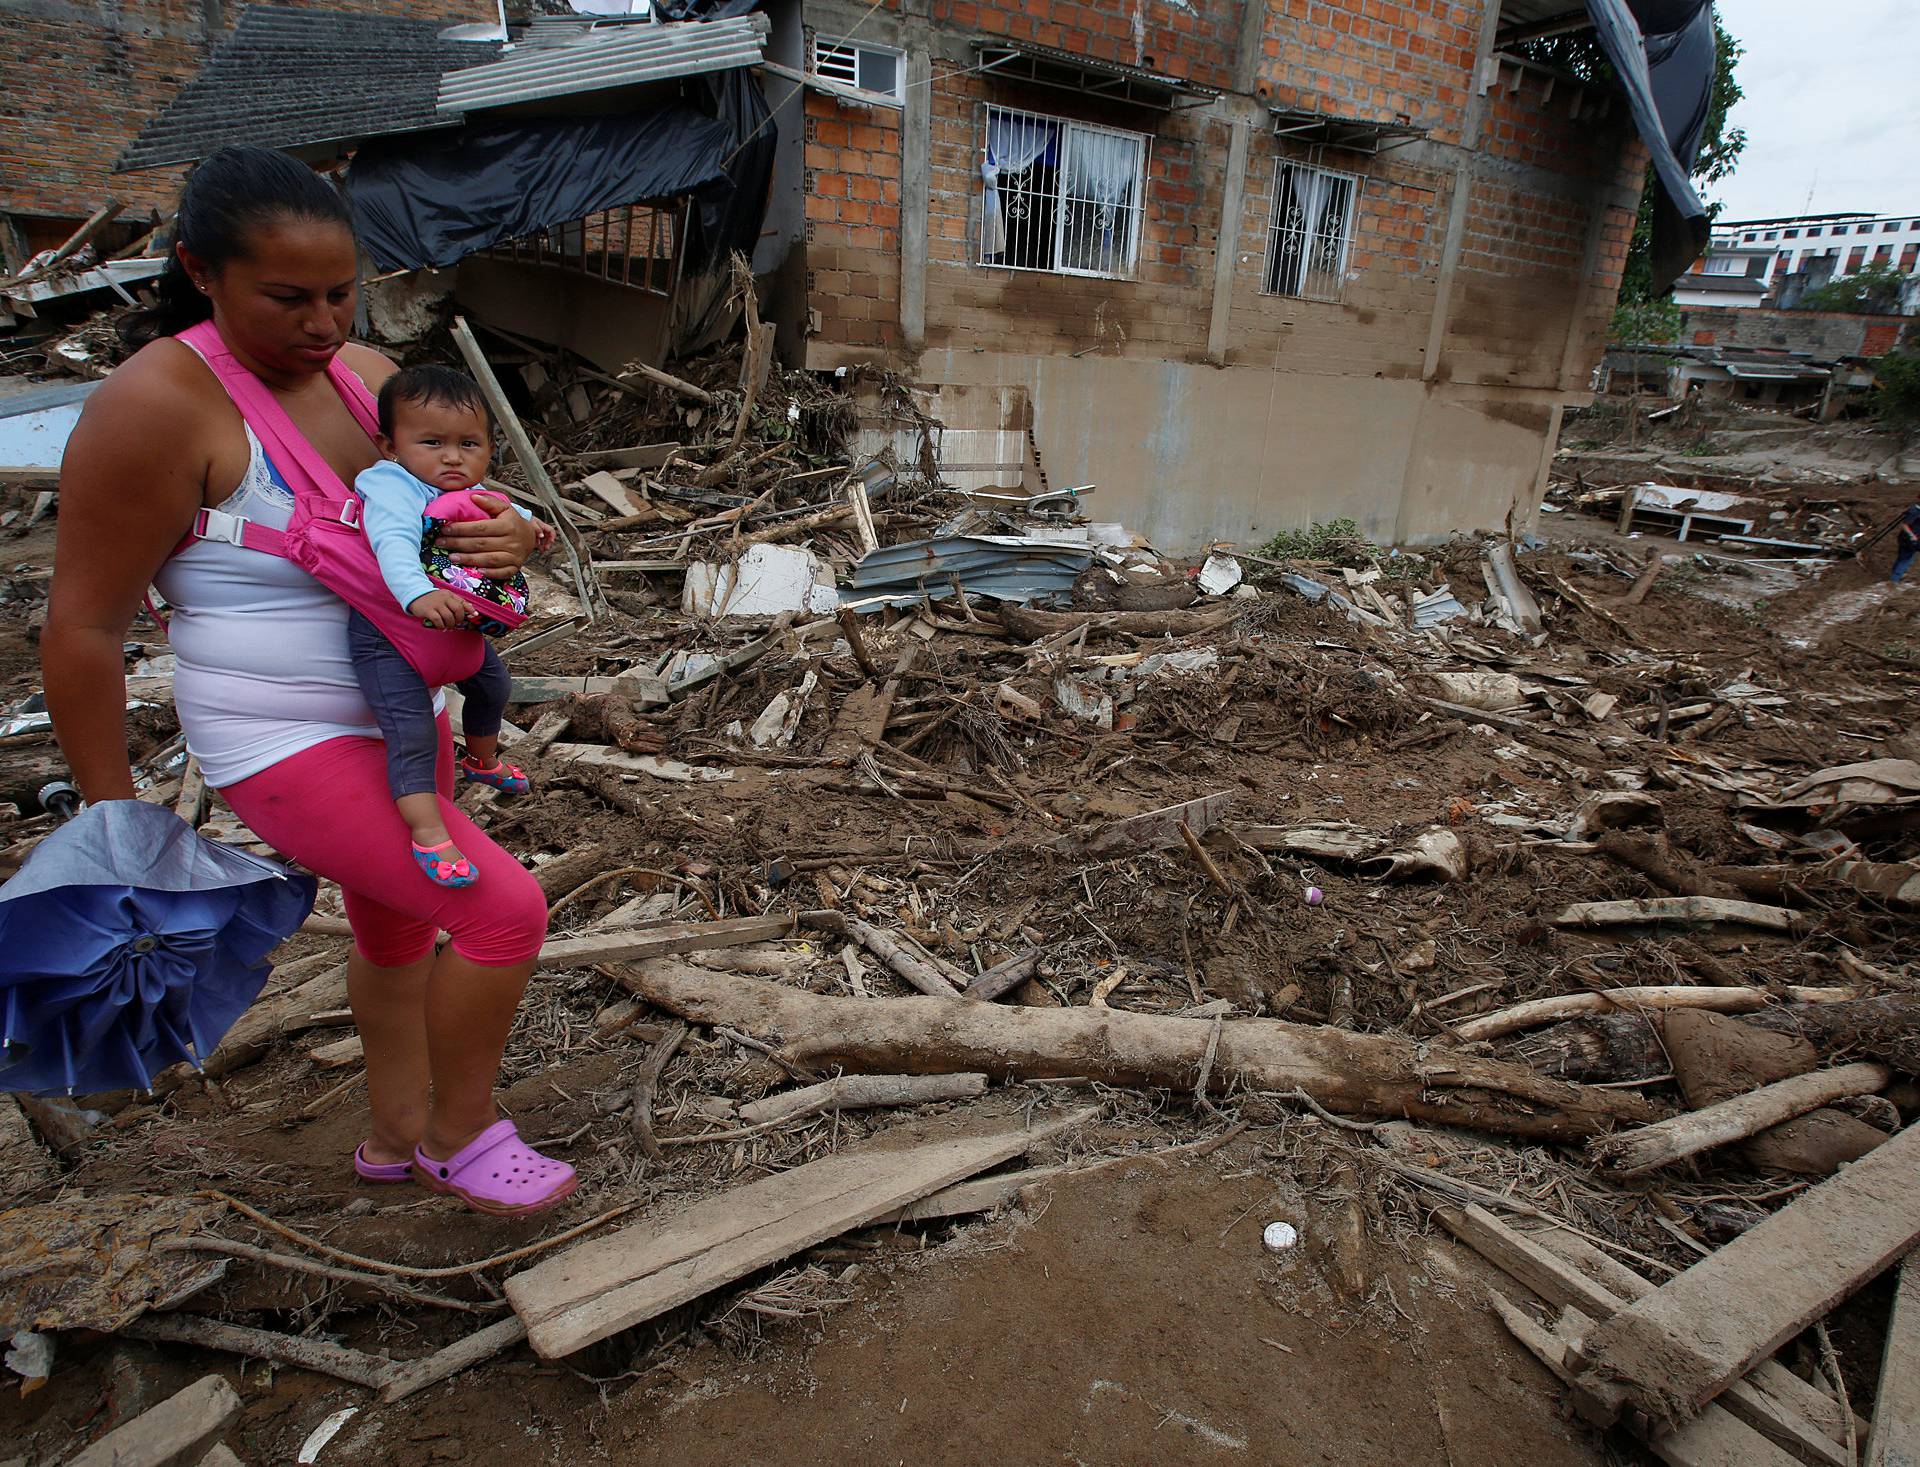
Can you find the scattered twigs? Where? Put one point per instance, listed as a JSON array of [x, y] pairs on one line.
[[1541, 1011], [1830, 1362], [416, 1375]]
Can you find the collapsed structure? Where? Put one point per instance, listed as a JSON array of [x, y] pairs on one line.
[[1246, 266]]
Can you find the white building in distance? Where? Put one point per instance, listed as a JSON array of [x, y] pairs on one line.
[[1851, 241]]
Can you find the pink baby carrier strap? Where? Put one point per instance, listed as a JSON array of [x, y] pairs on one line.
[[323, 536]]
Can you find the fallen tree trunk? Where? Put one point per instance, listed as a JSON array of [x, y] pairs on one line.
[[1358, 1074], [1631, 1153], [1625, 1046]]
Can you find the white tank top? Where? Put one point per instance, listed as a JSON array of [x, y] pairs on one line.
[[260, 647]]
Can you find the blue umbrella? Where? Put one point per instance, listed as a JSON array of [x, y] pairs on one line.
[[128, 944]]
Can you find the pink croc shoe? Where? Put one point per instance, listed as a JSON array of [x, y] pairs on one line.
[[498, 1173], [380, 1171]]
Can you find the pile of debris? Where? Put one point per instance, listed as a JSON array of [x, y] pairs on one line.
[[1511, 884]]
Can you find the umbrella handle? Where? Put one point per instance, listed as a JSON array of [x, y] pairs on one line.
[[60, 800]]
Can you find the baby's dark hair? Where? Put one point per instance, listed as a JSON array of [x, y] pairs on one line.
[[426, 384]]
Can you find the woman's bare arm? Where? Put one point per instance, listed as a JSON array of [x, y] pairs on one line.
[[133, 477]]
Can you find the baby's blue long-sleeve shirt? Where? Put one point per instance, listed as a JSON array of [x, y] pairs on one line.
[[394, 504]]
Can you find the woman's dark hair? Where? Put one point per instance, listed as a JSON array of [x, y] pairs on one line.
[[426, 384], [231, 193]]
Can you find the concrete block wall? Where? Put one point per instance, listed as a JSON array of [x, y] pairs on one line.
[[82, 79], [1825, 335]]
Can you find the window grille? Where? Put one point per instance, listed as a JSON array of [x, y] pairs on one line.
[[870, 68], [1065, 197], [635, 246], [1309, 232]]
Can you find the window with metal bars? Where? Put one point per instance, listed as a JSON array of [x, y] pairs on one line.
[[1309, 232], [634, 246], [1066, 197], [870, 68]]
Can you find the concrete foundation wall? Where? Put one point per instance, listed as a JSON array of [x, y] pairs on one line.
[[1188, 454]]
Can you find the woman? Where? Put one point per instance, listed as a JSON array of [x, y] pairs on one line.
[[264, 249]]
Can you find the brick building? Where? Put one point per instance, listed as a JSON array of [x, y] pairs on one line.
[[83, 78], [1242, 265]]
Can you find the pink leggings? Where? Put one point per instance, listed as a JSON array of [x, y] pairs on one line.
[[328, 808]]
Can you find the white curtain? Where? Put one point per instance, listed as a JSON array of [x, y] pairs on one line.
[[1103, 170], [1014, 143]]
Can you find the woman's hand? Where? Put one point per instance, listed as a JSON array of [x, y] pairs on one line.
[[498, 547]]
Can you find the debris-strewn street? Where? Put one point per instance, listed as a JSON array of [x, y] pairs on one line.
[[946, 995]]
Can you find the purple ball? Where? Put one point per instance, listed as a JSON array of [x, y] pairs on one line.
[[1315, 896]]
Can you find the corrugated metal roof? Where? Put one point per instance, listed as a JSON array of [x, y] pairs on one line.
[[1049, 66], [602, 57], [291, 77]]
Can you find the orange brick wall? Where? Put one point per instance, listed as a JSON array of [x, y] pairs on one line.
[[1522, 286], [77, 92], [853, 221]]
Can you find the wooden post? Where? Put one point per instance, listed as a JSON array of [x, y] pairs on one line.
[[592, 601]]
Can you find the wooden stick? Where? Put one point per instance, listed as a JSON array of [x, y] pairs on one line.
[[1632, 1153], [1688, 910], [592, 600], [74, 243], [1353, 1074], [259, 1344], [861, 1092], [643, 1090], [889, 950], [668, 380], [417, 1375], [1539, 1011], [207, 1244], [1003, 978]]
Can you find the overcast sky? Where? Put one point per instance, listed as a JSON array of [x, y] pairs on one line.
[[1832, 107]]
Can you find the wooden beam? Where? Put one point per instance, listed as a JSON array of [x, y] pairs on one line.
[[1683, 1344], [175, 1433], [591, 601], [1895, 1439], [621, 1279], [659, 942]]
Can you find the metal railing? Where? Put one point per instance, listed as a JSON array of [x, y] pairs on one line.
[[1309, 232], [636, 246], [1065, 197]]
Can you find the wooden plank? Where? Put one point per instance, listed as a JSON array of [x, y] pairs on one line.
[[1895, 1439], [1154, 829], [659, 942], [1683, 1344], [611, 492], [641, 456], [611, 1283], [176, 1433], [1712, 1439], [1689, 911], [983, 1194], [1528, 1260]]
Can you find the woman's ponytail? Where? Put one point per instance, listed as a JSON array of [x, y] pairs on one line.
[[231, 193]]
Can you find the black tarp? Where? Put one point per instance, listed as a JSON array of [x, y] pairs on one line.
[[1664, 54], [427, 201]]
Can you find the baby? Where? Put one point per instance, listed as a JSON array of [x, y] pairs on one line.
[[436, 444]]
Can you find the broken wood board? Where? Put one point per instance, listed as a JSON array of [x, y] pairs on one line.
[[603, 756], [1683, 1344], [642, 689], [1152, 830], [1634, 1153], [1713, 1439], [642, 456], [663, 941], [1686, 911], [176, 1433], [1357, 1074], [983, 1194], [1534, 1260], [861, 722], [611, 1283], [612, 493], [1895, 1438], [861, 1092]]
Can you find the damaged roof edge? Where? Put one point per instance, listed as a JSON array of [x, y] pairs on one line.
[[604, 59]]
